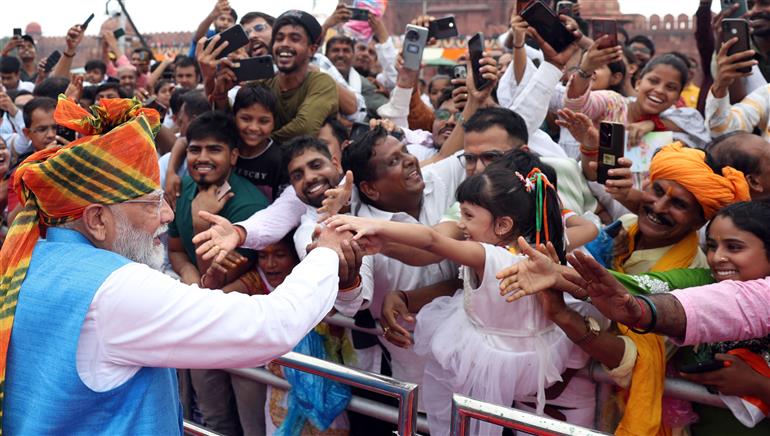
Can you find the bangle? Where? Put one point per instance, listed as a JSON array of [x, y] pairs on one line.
[[653, 315], [406, 299], [583, 73], [519, 46], [355, 285], [69, 55], [588, 152]]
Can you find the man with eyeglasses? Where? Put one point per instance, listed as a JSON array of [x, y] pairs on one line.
[[87, 308], [259, 27]]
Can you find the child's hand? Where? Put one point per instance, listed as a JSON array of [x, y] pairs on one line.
[[527, 277], [359, 226]]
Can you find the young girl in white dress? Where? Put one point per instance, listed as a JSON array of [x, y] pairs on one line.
[[477, 344]]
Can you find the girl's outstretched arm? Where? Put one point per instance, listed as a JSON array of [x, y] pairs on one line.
[[467, 253]]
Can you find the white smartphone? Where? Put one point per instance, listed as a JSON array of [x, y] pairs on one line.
[[223, 190]]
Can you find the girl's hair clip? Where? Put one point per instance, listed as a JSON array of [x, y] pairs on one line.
[[528, 184]]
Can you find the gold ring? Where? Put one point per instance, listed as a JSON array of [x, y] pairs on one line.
[[385, 330]]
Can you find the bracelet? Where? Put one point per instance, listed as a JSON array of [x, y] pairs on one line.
[[406, 299], [583, 73], [69, 55], [519, 46], [653, 315], [589, 152], [355, 285]]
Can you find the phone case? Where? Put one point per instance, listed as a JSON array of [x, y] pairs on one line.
[[548, 26], [256, 68], [235, 36], [606, 27], [475, 50], [415, 39], [443, 28], [743, 7], [737, 28], [612, 144]]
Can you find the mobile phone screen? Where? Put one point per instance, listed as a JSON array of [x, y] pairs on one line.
[[475, 49]]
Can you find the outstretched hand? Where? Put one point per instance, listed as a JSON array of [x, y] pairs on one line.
[[361, 227], [336, 198], [220, 239], [607, 294], [535, 274]]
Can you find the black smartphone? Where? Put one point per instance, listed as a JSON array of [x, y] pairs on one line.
[[442, 28], [17, 32], [548, 26], [84, 26], [605, 27], [234, 35], [65, 133], [521, 5], [358, 130], [743, 7], [117, 33], [358, 14], [256, 68], [51, 61], [690, 360], [612, 145], [475, 49], [737, 27], [565, 8]]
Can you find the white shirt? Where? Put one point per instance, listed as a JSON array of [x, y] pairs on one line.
[[140, 317], [269, 225], [386, 56]]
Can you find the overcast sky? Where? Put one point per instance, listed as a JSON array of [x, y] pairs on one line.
[[56, 16]]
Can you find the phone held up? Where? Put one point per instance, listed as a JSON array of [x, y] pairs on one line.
[[476, 50], [548, 25], [605, 27], [732, 28], [443, 28], [612, 145], [235, 36], [358, 14], [415, 39], [256, 68]]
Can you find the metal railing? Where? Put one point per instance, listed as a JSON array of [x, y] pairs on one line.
[[193, 429], [464, 408]]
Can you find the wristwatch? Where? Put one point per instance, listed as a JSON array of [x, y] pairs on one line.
[[592, 330]]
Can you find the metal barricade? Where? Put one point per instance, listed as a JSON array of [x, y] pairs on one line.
[[193, 429], [464, 408]]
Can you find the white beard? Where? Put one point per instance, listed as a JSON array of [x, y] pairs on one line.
[[138, 245]]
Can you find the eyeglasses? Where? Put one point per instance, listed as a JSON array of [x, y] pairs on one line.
[[260, 27], [443, 115], [155, 201], [469, 159], [43, 129]]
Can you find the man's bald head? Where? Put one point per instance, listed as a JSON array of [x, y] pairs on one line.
[[748, 153]]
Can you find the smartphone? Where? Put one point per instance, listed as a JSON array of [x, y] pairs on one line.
[[565, 8], [51, 61], [443, 28], [737, 27], [234, 35], [696, 360], [256, 68], [358, 14], [475, 49], [548, 26], [118, 33], [358, 130], [460, 71], [743, 7], [223, 190], [17, 32], [612, 145], [605, 27], [415, 39], [84, 26]]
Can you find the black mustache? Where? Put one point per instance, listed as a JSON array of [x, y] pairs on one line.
[[660, 217]]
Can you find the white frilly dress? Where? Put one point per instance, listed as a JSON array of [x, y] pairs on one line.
[[481, 346]]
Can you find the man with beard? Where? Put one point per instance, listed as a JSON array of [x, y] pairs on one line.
[[84, 307], [212, 186], [305, 97], [259, 27]]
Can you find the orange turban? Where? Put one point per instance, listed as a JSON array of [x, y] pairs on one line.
[[687, 166], [116, 161]]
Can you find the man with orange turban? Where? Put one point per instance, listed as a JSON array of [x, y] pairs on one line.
[[88, 329], [684, 192]]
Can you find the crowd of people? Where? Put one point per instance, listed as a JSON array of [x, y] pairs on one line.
[[164, 221]]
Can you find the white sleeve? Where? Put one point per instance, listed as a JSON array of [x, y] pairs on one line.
[[145, 318], [272, 223], [397, 108], [386, 55], [508, 89], [304, 233], [532, 102]]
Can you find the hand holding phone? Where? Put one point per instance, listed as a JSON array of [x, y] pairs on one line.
[[17, 32], [84, 26], [235, 36], [415, 39], [359, 14], [118, 33], [548, 26], [605, 27], [612, 146], [442, 28], [476, 50], [256, 68], [737, 28], [223, 190], [51, 61]]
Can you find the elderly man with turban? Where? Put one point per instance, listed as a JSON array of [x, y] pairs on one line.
[[89, 330]]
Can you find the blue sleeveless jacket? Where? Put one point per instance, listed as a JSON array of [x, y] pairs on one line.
[[43, 392]]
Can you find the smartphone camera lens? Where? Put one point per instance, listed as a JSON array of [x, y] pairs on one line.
[[412, 35]]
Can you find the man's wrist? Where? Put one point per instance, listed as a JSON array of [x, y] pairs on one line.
[[241, 234], [719, 91]]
